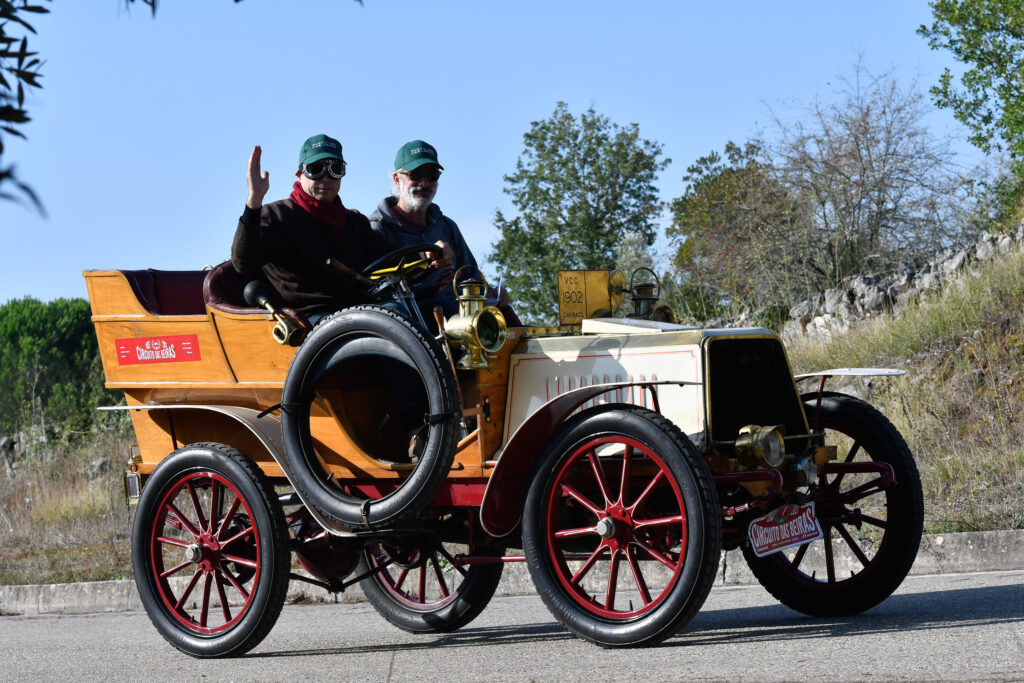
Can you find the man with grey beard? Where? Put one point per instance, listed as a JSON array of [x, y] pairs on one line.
[[410, 217]]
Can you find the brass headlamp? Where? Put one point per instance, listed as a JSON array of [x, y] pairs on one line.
[[761, 445], [480, 329]]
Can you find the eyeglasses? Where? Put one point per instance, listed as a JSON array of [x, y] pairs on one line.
[[421, 174], [317, 169]]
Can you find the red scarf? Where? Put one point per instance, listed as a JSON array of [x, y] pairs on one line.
[[333, 213]]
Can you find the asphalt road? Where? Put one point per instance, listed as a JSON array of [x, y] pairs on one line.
[[947, 627]]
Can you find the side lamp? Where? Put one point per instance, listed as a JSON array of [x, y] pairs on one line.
[[480, 329]]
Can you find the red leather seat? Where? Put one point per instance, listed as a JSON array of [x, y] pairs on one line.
[[224, 288], [168, 292]]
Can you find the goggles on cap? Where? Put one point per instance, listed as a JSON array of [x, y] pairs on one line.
[[318, 169]]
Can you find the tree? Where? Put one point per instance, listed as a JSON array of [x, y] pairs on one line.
[[19, 69], [634, 251], [579, 186], [740, 237], [882, 186], [50, 374], [988, 36], [854, 186]]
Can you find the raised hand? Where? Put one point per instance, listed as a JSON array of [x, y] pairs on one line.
[[259, 183]]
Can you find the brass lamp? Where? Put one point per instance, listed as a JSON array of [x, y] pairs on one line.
[[645, 297], [761, 445], [480, 329]]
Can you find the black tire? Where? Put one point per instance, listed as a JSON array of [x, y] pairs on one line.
[[365, 333], [668, 483], [881, 547], [425, 589], [210, 500]]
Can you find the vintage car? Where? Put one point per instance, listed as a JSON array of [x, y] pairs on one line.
[[616, 457]]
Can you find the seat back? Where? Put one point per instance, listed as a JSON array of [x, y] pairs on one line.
[[223, 289], [168, 292]]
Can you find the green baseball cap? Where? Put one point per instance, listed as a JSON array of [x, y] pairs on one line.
[[320, 147], [414, 154]]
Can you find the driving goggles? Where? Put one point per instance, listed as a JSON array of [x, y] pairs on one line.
[[318, 169]]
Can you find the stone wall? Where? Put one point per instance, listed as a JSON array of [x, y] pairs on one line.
[[863, 296]]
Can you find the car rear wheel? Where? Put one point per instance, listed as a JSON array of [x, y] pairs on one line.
[[209, 547], [426, 586]]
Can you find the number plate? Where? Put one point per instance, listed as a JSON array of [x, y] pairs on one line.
[[783, 527], [581, 294]]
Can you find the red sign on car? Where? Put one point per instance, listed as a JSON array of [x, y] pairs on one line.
[[170, 349], [784, 527]]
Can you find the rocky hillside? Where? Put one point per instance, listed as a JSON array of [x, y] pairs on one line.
[[957, 328], [865, 296]]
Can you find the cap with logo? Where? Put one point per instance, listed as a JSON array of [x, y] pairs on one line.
[[414, 154], [320, 147]]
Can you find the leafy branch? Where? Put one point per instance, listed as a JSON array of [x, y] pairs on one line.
[[19, 70]]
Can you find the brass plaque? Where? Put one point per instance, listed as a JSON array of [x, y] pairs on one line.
[[582, 294]]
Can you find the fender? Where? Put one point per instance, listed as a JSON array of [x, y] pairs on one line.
[[850, 372], [506, 487], [266, 428], [824, 375]]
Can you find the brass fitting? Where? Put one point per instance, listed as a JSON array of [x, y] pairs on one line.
[[480, 329], [761, 445], [825, 454]]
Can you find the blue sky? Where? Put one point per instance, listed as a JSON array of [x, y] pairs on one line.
[[140, 137]]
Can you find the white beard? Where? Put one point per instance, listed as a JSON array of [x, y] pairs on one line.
[[415, 198]]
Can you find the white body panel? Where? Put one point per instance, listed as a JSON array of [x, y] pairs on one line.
[[542, 369]]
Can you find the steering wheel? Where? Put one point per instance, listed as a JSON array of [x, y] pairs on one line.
[[411, 271]]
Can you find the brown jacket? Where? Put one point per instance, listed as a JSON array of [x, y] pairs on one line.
[[284, 245]]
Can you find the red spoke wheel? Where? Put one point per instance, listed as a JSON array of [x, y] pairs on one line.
[[870, 533], [425, 587], [621, 527], [210, 552]]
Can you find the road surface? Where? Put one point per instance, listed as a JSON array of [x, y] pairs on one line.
[[948, 627]]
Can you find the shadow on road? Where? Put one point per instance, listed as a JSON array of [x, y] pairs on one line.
[[915, 611], [467, 637]]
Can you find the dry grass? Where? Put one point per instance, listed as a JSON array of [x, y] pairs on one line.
[[59, 524], [961, 405]]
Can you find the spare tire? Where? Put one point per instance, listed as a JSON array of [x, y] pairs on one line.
[[354, 343]]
